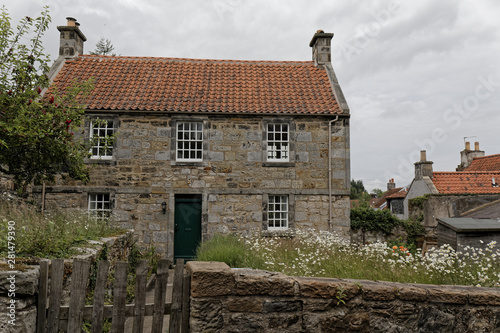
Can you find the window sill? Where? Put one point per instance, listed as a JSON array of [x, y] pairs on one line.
[[278, 233], [185, 163], [100, 161], [279, 164]]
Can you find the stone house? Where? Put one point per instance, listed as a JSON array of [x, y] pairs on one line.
[[392, 199], [209, 146], [452, 193]]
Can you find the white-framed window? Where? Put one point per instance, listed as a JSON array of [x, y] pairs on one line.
[[278, 143], [100, 205], [277, 212], [101, 135], [189, 141]]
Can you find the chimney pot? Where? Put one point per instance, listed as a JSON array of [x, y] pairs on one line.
[[467, 145], [423, 155], [71, 21], [476, 146]]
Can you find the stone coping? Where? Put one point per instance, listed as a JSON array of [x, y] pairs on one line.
[[209, 279]]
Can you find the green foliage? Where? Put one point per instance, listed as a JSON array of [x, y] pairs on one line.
[[322, 254], [50, 235], [340, 295], [378, 193], [225, 248], [36, 132], [103, 47], [418, 202], [369, 219], [413, 229], [357, 189]]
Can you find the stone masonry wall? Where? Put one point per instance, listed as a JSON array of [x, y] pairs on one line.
[[447, 206], [233, 177], [243, 300]]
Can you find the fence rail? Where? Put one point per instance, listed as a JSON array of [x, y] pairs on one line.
[[69, 318]]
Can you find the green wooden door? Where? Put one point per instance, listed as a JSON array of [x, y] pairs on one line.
[[187, 233]]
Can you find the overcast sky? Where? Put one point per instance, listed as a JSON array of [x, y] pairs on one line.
[[416, 74]]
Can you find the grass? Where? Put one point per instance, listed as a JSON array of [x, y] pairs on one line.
[[325, 255], [48, 236]]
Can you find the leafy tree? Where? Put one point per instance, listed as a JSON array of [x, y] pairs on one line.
[[103, 47], [357, 189], [36, 130], [377, 192]]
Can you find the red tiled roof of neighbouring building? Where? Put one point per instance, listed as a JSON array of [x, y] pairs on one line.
[[485, 163], [383, 199], [466, 182], [398, 195], [202, 86]]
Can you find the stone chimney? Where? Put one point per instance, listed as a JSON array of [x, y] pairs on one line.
[[423, 168], [467, 155], [391, 184], [71, 40], [321, 43]]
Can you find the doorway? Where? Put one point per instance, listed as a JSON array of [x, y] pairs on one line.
[[187, 230]]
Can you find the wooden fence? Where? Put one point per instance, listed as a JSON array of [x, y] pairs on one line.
[[56, 318]]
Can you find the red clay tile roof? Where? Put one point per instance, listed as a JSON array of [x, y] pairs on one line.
[[190, 85], [485, 163], [398, 195], [383, 199], [465, 182]]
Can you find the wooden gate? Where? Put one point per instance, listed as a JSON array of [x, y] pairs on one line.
[[56, 318]]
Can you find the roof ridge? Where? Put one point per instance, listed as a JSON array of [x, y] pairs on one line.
[[464, 172], [194, 60], [482, 157]]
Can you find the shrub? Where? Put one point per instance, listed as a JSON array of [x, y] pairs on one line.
[[50, 235], [369, 219]]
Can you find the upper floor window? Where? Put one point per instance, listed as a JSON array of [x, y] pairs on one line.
[[100, 205], [278, 145], [277, 212], [101, 135], [189, 141]]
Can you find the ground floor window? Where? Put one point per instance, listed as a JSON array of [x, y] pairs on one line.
[[277, 211], [100, 205]]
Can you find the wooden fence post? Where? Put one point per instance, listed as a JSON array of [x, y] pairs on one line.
[[176, 312], [79, 279], [100, 290], [119, 297], [160, 295], [43, 284], [140, 295], [186, 297], [56, 282]]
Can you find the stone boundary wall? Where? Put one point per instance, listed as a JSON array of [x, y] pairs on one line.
[[245, 300], [26, 284]]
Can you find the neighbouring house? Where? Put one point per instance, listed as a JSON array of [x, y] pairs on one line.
[[209, 146], [451, 194], [392, 199]]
